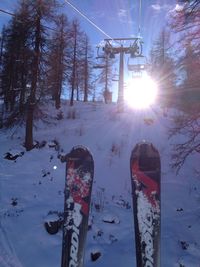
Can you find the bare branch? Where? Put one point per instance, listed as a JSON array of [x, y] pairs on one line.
[[188, 127]]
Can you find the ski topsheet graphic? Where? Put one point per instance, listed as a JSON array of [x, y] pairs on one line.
[[145, 179], [78, 186]]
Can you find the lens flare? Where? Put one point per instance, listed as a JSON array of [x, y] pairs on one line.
[[141, 92]]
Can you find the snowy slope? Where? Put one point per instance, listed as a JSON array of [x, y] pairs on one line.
[[31, 188]]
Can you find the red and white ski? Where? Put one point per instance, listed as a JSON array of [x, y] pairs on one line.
[[145, 179], [78, 187]]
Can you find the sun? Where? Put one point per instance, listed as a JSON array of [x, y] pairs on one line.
[[141, 92]]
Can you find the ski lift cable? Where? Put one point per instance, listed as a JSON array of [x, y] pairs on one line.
[[89, 20], [6, 12]]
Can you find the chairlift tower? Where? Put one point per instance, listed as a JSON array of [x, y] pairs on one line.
[[121, 46], [104, 66], [132, 46]]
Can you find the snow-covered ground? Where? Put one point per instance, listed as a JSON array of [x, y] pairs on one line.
[[31, 188]]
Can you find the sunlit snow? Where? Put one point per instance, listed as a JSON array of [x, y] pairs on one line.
[[31, 188]]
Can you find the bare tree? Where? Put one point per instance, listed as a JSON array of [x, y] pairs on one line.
[[187, 126], [186, 24]]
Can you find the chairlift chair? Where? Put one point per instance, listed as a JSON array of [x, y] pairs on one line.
[[137, 64]]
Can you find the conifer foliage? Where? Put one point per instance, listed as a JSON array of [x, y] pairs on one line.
[[185, 23], [163, 68], [43, 55]]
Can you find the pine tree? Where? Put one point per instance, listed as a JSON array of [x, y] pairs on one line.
[[163, 68], [105, 76], [185, 24], [39, 11], [11, 64], [75, 59], [85, 69], [189, 66], [15, 64], [57, 58]]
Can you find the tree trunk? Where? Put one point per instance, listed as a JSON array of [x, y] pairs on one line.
[[31, 103], [86, 72], [58, 94], [29, 128], [60, 68], [22, 93], [74, 67]]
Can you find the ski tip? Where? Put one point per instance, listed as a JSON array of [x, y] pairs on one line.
[[144, 142], [146, 149], [79, 148], [146, 156], [79, 152]]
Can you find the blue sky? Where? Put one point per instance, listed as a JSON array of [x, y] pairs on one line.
[[118, 18]]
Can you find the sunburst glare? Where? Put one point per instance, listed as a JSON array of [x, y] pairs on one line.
[[140, 92]]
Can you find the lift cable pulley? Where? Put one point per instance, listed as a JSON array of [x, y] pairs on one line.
[[137, 62]]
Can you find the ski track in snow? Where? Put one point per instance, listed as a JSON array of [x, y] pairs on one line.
[[36, 181], [8, 256]]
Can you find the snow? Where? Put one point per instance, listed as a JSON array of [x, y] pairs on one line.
[[110, 218], [31, 187]]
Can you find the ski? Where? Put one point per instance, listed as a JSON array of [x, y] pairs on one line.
[[77, 195], [145, 169]]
